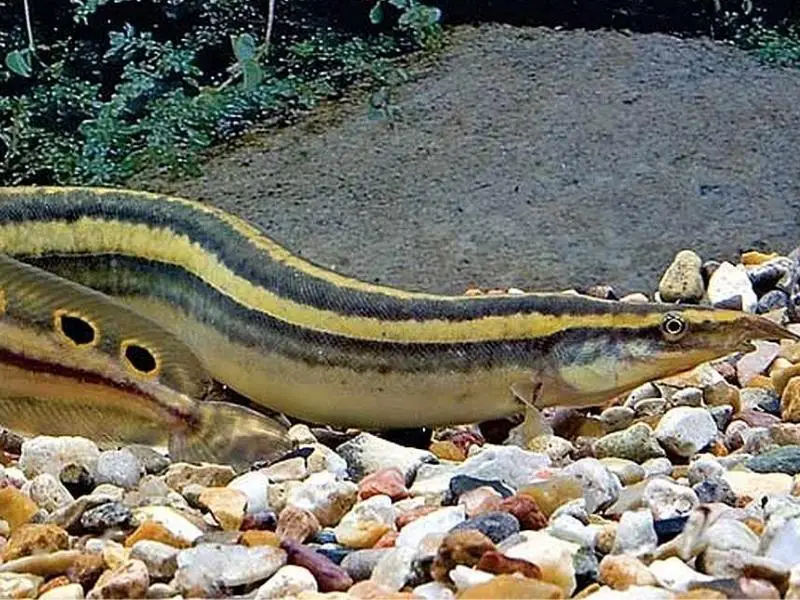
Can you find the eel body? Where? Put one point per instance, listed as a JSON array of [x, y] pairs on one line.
[[311, 343]]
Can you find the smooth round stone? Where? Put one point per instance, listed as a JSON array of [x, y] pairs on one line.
[[636, 443], [152, 461], [359, 564], [617, 418], [497, 526], [683, 281]]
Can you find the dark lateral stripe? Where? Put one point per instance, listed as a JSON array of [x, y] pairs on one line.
[[130, 276], [238, 254]]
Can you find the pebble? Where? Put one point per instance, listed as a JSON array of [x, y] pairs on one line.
[[212, 570], [757, 485], [510, 586], [730, 287], [68, 591], [360, 564], [556, 448], [433, 590], [394, 568], [714, 489], [35, 539], [86, 570], [600, 487], [120, 468], [287, 470], [552, 555], [636, 534], [288, 581], [783, 460], [461, 484], [19, 585], [627, 471], [175, 524], [465, 578], [553, 492], [511, 466], [480, 500], [682, 281], [46, 454], [439, 521], [790, 401], [621, 572], [755, 363], [106, 516], [297, 523], [657, 466], [179, 475], [16, 508], [497, 526], [495, 562], [152, 461], [690, 396], [722, 415], [367, 453], [636, 443], [686, 430], [385, 482], [666, 499], [330, 577], [568, 528], [129, 580], [254, 485], [325, 496], [525, 510], [48, 492], [226, 504], [161, 559], [77, 479], [783, 542], [366, 522], [675, 575], [617, 418]]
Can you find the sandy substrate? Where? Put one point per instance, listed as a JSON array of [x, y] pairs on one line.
[[533, 158]]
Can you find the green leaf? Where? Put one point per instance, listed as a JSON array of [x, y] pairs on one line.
[[376, 14], [244, 47], [19, 62], [252, 73]]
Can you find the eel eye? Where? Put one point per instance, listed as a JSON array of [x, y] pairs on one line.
[[673, 327]]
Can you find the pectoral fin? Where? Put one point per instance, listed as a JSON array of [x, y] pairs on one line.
[[529, 392]]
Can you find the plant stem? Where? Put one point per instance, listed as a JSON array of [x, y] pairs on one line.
[[270, 20], [31, 44]]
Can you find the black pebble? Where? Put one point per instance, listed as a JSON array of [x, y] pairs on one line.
[[77, 479], [497, 526], [666, 529], [461, 484], [106, 516]]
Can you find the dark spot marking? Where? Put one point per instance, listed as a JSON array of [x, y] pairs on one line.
[[78, 330], [140, 358]]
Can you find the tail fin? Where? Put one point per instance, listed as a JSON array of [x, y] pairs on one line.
[[230, 434]]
